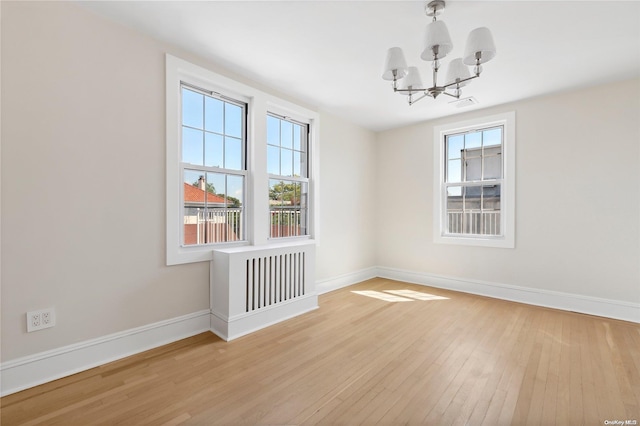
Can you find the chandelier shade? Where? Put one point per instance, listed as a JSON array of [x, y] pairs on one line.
[[412, 83], [457, 72], [436, 36], [480, 47], [395, 66]]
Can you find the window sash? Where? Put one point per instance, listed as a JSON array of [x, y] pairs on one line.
[[470, 220], [211, 217], [281, 217]]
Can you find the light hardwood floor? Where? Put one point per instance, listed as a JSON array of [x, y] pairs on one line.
[[458, 359]]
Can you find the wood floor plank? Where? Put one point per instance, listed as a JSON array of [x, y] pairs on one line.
[[439, 357]]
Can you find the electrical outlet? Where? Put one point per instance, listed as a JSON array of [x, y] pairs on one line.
[[37, 320]]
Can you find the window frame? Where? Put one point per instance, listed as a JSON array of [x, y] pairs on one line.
[[507, 191], [256, 203], [242, 171], [298, 179]]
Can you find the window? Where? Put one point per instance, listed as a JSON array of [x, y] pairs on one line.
[[213, 167], [287, 165], [237, 161], [474, 193]]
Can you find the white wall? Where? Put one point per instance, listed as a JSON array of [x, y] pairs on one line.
[[577, 198], [349, 198], [83, 172]]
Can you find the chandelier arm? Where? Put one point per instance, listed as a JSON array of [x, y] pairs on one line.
[[413, 101], [453, 96], [461, 81], [410, 90]]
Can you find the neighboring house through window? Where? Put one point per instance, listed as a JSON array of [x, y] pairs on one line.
[[475, 182]]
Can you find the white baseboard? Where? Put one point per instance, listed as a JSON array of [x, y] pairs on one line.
[[33, 370], [345, 280], [615, 309], [241, 325]]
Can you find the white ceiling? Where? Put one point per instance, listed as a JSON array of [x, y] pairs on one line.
[[330, 54]]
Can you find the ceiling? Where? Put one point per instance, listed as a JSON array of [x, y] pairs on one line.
[[330, 54]]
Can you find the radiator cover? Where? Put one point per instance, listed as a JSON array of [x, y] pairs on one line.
[[253, 287]]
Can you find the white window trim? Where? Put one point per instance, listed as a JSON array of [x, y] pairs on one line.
[[259, 104], [508, 190]]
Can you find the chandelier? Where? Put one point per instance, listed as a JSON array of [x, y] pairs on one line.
[[437, 44]]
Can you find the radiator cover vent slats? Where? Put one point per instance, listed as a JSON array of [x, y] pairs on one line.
[[274, 279]]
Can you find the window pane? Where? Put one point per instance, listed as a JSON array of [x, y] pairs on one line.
[[473, 169], [235, 201], [454, 171], [288, 213], [213, 114], [193, 205], [472, 198], [286, 137], [216, 188], [493, 167], [223, 219], [213, 150], [455, 145], [491, 197], [286, 162], [275, 192], [273, 160], [192, 146], [472, 140], [492, 137], [235, 191], [454, 210], [192, 103], [454, 191], [232, 153], [491, 210], [273, 131], [454, 198], [232, 120]]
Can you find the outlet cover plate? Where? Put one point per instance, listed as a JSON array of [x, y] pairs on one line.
[[39, 320]]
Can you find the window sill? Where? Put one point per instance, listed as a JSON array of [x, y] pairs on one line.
[[205, 254], [497, 242]]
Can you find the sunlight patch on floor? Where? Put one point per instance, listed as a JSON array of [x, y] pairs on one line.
[[382, 296], [416, 295], [398, 295]]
